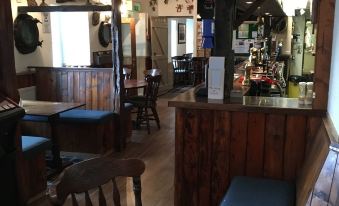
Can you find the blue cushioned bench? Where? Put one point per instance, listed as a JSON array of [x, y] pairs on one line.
[[31, 146], [85, 116], [250, 191], [32, 172], [89, 131]]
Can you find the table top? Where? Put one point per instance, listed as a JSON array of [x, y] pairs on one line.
[[134, 83], [44, 108]]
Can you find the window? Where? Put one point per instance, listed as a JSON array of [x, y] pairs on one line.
[[70, 39]]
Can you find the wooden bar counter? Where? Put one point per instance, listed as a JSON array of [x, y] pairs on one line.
[[216, 140]]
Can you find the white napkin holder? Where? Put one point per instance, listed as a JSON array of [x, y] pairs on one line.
[[216, 77]]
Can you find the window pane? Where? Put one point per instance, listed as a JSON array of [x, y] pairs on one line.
[[70, 37]]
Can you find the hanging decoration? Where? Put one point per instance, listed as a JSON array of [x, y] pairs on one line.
[[31, 3], [153, 4], [190, 8], [179, 7]]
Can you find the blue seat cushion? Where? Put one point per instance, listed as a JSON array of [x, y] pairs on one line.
[[249, 191], [33, 145], [85, 116], [34, 118]]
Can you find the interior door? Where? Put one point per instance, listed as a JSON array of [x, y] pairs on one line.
[[159, 42]]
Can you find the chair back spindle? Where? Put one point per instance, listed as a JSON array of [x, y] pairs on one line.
[[90, 174]]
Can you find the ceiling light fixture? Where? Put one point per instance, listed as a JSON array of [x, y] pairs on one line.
[[249, 2]]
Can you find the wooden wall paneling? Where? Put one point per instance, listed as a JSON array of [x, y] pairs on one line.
[[76, 86], [322, 189], [205, 147], [324, 52], [64, 86], [312, 127], [53, 85], [274, 146], [179, 156], [312, 165], [94, 89], [294, 146], [25, 79], [220, 155], [44, 85], [255, 144], [334, 196], [100, 98], [191, 152], [40, 84], [82, 87], [58, 86], [88, 87], [238, 143], [70, 86]]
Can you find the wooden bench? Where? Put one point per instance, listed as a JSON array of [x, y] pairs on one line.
[[252, 191], [89, 131], [33, 165]]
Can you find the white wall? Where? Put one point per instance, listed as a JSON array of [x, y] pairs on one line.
[[180, 49], [333, 97]]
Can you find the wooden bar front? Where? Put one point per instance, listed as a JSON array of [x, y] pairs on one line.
[[249, 136]]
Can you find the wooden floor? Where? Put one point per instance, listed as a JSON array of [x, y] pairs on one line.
[[157, 151]]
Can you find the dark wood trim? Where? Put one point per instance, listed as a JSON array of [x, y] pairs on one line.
[[64, 8], [7, 63], [223, 37], [117, 57], [323, 53]]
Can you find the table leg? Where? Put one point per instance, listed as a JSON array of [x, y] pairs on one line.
[[56, 159]]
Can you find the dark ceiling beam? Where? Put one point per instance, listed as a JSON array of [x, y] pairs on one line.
[[250, 11]]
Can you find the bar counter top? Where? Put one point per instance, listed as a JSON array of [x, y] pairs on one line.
[[188, 100]]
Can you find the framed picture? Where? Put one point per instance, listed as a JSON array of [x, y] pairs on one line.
[[181, 33]]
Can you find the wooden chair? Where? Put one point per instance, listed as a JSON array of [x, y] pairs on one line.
[[152, 72], [180, 70], [198, 70], [91, 174], [127, 73], [147, 101]]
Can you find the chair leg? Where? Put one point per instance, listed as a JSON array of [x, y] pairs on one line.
[[156, 116], [139, 117], [147, 121], [137, 190]]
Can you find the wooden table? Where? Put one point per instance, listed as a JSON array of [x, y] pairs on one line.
[[51, 110], [134, 83]]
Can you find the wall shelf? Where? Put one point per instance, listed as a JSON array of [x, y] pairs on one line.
[[64, 8]]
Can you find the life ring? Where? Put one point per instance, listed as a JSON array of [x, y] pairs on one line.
[[105, 36], [26, 33]]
